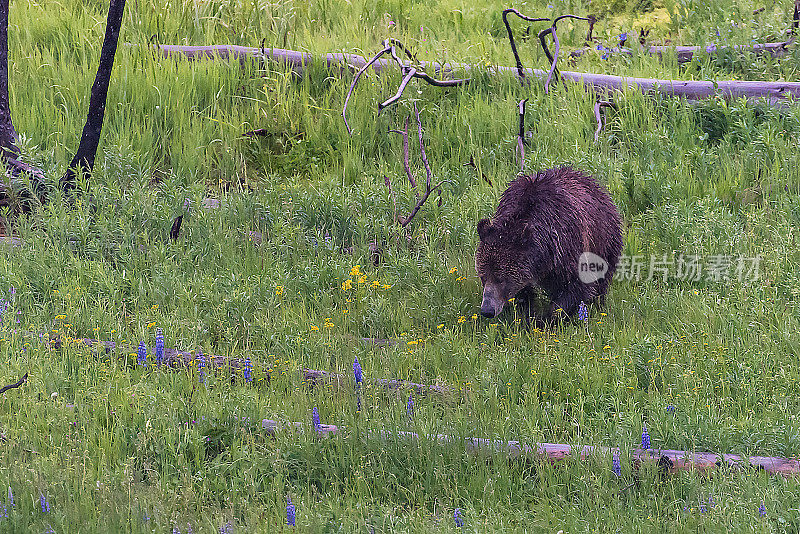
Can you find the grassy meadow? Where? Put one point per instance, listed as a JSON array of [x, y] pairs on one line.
[[100, 443]]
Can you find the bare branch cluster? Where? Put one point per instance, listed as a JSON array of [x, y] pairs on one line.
[[414, 69], [429, 188]]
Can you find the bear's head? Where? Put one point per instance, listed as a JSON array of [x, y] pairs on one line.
[[501, 266]]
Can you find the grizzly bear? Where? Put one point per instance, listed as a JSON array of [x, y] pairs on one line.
[[559, 231]]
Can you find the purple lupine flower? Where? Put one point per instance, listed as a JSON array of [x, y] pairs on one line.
[[175, 530], [141, 355], [762, 510], [410, 405], [44, 504], [457, 518], [3, 511], [248, 370], [622, 38], [290, 512], [10, 497], [645, 439], [159, 347], [315, 419], [583, 312], [227, 528], [357, 370], [670, 409], [201, 364], [616, 468]]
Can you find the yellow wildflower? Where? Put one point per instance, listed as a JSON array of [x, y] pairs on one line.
[[375, 284], [461, 319], [362, 279], [314, 328], [279, 290], [386, 286], [151, 325], [474, 316], [440, 326], [453, 270], [356, 270], [347, 285]]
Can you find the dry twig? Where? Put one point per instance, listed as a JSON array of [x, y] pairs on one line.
[[597, 107], [16, 384]]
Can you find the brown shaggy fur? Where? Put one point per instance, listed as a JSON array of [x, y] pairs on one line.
[[540, 229]]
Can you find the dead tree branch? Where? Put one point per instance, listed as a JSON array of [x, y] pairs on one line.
[[90, 138], [429, 188], [16, 384], [408, 71], [520, 68], [557, 47], [597, 115], [406, 164]]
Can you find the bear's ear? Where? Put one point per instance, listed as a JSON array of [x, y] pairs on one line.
[[484, 225]]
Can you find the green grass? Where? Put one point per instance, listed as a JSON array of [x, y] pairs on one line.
[[108, 443]]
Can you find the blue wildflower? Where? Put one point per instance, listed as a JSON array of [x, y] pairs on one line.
[[10, 497], [616, 468], [44, 504], [201, 364], [248, 369], [670, 409], [622, 38], [703, 508], [175, 530], [410, 405], [141, 355], [159, 347], [290, 515], [583, 312], [457, 518], [762, 510], [645, 439], [227, 528], [3, 511], [315, 419], [357, 370], [601, 47]]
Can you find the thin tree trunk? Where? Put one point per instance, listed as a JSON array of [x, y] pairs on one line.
[[8, 136], [90, 139]]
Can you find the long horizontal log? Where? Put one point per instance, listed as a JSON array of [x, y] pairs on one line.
[[670, 461], [686, 53], [174, 358], [774, 92]]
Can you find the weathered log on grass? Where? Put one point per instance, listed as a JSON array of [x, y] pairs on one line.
[[668, 461], [181, 359], [685, 54], [774, 92]]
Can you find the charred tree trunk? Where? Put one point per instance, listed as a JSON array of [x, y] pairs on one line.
[[8, 135], [90, 139]]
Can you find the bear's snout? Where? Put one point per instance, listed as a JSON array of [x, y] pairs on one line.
[[492, 304]]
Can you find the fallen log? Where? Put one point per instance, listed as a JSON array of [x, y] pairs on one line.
[[686, 53], [776, 93], [10, 240], [181, 359], [666, 460]]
